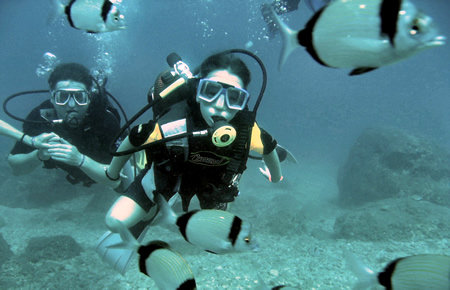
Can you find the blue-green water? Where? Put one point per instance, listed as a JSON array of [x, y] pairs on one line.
[[316, 112]]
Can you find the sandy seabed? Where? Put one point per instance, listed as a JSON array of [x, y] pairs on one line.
[[292, 221]]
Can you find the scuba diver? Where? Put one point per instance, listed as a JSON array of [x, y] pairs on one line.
[[76, 127], [280, 7], [198, 147]]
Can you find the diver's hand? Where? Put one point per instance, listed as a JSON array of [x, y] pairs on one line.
[[42, 141], [266, 172], [43, 154], [122, 183], [65, 152]]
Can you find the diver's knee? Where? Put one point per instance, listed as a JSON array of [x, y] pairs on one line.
[[125, 211], [113, 223]]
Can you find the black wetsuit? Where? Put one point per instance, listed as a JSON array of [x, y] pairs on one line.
[[202, 171], [92, 139]]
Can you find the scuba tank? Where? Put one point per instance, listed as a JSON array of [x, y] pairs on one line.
[[170, 89]]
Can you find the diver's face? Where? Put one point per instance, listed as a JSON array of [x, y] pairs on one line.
[[218, 108], [70, 108]]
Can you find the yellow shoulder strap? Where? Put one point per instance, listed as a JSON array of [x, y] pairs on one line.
[[256, 142]]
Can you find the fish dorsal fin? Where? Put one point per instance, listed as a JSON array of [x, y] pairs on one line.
[[389, 10], [361, 70]]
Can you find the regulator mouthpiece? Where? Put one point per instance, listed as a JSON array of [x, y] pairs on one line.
[[72, 120], [223, 134]]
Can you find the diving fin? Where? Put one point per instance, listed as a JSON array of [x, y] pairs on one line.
[[284, 154], [119, 258]]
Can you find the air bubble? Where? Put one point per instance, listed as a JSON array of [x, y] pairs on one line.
[[50, 61]]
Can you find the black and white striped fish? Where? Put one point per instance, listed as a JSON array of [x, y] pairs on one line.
[[93, 16], [212, 230], [157, 260], [360, 34], [428, 271]]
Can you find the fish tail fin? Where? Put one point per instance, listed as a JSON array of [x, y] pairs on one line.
[[58, 9], [128, 240], [290, 42], [366, 277], [168, 216]]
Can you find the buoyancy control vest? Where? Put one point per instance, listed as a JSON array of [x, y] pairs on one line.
[[176, 115]]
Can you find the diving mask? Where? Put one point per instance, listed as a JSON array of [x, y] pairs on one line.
[[235, 98], [62, 97]]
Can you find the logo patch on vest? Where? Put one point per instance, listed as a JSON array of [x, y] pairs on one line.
[[208, 158]]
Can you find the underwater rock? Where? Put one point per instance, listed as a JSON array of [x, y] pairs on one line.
[[398, 219], [5, 250], [39, 189], [386, 163], [56, 248]]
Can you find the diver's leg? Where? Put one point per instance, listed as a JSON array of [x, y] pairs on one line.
[[134, 210], [126, 211]]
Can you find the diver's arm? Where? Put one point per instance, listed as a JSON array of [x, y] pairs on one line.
[[263, 143], [273, 167], [100, 173], [9, 131], [111, 174], [96, 171], [25, 162]]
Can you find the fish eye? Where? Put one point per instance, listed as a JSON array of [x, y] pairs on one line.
[[415, 27]]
